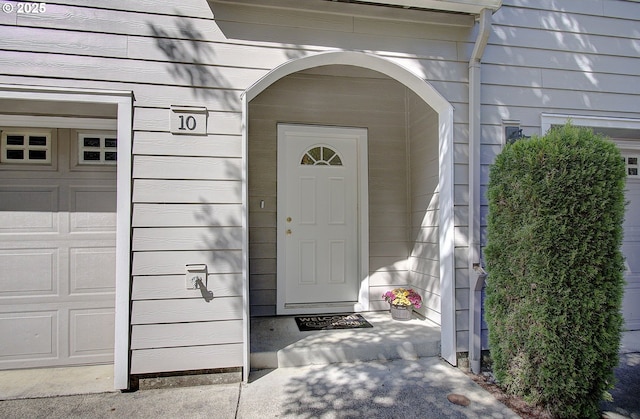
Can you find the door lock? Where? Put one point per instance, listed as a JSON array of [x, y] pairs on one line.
[[288, 219]]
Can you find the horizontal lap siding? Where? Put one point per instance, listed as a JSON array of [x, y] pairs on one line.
[[187, 334], [173, 328], [186, 358], [186, 189], [129, 70], [581, 60], [186, 198], [170, 322], [166, 287], [187, 204], [424, 260]]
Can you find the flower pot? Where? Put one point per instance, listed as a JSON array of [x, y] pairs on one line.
[[401, 312]]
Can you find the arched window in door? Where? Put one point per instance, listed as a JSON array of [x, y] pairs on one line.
[[321, 156]]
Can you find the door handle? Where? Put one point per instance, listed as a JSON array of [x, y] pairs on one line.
[[288, 232]]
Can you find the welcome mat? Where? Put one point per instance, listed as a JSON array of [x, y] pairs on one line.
[[331, 322]]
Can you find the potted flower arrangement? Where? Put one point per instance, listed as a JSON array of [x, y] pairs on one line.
[[401, 302]]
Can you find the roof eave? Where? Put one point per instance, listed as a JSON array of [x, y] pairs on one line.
[[461, 6]]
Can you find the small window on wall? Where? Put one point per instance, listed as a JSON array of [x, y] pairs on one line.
[[97, 148], [30, 147], [632, 165]]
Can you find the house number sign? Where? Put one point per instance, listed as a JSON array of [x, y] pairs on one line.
[[188, 120]]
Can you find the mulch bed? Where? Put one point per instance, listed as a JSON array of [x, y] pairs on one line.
[[515, 403]]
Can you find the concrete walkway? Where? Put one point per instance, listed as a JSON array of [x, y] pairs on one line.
[[277, 341], [626, 394], [376, 389]]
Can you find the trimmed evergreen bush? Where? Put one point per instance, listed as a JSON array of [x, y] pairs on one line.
[[555, 284]]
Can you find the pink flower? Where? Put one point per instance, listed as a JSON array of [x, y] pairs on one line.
[[403, 297]]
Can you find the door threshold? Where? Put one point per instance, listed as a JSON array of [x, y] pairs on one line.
[[292, 309], [321, 305]]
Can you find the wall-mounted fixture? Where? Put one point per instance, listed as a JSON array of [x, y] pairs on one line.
[[512, 131], [513, 134], [196, 276]]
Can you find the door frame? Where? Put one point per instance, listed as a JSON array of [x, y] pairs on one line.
[[362, 185], [123, 101]]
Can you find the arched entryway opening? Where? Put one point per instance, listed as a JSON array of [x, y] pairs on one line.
[[409, 178]]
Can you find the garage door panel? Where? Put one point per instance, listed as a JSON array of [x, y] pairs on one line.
[[93, 270], [62, 332], [31, 272], [92, 209], [57, 261], [28, 209], [83, 325], [28, 335], [630, 306], [631, 251], [632, 264]]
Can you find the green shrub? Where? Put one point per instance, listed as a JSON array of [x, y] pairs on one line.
[[554, 291]]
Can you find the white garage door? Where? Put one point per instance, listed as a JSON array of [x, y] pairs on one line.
[[57, 248], [631, 242]]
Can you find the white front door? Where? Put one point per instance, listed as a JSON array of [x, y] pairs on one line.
[[319, 254]]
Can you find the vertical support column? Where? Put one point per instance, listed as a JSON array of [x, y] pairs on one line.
[[246, 332]]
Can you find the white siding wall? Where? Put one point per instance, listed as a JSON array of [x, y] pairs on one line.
[[439, 52], [187, 190], [566, 57], [423, 234]]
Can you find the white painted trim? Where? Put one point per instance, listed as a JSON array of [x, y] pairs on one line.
[[462, 6], [123, 243], [424, 16], [435, 100], [58, 122], [246, 323], [428, 7], [362, 304], [448, 342], [63, 93], [628, 144], [124, 102], [359, 59], [363, 218], [547, 120]]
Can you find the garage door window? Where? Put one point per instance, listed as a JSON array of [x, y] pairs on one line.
[[32, 147], [97, 148], [632, 165]]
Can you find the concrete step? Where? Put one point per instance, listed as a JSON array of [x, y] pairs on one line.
[[277, 342]]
